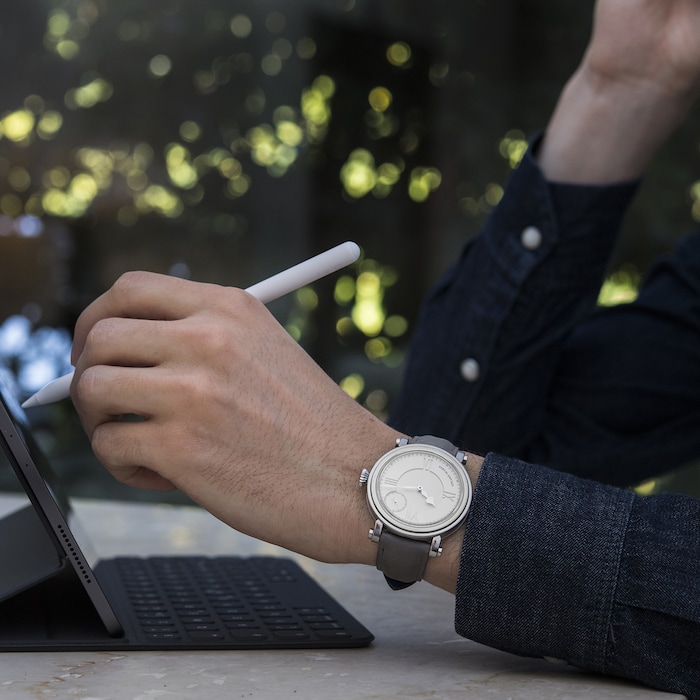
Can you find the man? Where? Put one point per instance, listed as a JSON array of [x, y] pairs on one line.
[[546, 563]]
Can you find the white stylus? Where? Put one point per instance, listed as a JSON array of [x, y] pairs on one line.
[[268, 290]]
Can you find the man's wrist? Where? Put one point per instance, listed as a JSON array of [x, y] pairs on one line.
[[605, 131]]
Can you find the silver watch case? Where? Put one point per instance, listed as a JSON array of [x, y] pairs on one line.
[[417, 532]]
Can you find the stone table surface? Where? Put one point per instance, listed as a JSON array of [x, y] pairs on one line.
[[416, 653]]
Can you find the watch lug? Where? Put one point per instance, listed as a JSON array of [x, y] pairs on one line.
[[376, 532], [435, 548]]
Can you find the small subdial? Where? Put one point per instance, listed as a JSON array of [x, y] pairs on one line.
[[395, 501]]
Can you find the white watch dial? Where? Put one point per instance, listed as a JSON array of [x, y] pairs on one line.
[[419, 489]]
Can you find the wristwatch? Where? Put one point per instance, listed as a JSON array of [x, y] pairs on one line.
[[419, 492]]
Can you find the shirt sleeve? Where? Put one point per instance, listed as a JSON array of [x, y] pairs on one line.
[[511, 354], [486, 339], [564, 568]]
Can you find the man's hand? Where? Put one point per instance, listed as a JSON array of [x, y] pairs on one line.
[[234, 413]]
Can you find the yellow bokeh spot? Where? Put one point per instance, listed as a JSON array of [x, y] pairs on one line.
[[344, 291], [58, 23], [344, 326], [159, 66], [180, 170], [57, 177], [695, 194], [230, 168], [33, 205], [513, 147], [325, 86], [86, 96], [241, 26], [159, 199], [398, 53], [315, 103], [621, 287], [377, 348], [368, 284], [190, 131], [377, 400], [67, 49], [18, 125], [353, 385], [83, 188], [389, 173], [11, 205], [49, 124], [268, 150], [380, 99], [493, 194], [137, 180], [58, 203], [646, 488], [289, 133], [422, 182], [19, 179], [183, 175], [306, 48], [368, 315], [358, 174], [238, 186], [395, 326], [307, 298]]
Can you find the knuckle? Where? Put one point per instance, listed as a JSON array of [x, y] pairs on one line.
[[128, 281], [101, 445], [101, 332], [127, 286], [86, 386], [115, 454], [215, 338]]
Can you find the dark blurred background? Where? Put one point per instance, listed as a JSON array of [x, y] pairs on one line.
[[225, 140]]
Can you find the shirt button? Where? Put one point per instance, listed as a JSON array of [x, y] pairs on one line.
[[469, 369], [531, 238]]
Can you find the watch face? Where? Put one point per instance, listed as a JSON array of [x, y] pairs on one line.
[[419, 491]]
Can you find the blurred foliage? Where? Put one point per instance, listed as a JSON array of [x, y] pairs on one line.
[[224, 141]]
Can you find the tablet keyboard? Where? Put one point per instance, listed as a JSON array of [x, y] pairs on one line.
[[246, 602]]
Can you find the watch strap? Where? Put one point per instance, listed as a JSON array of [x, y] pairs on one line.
[[443, 444], [402, 559]]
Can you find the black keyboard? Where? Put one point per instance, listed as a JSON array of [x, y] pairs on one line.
[[227, 602]]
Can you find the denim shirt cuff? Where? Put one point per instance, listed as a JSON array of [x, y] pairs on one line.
[[540, 562]]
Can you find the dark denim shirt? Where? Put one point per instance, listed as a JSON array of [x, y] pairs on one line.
[[512, 359]]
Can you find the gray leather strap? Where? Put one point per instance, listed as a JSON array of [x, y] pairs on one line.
[[436, 442], [402, 559]]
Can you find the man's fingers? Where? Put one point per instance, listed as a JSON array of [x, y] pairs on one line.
[[123, 448], [145, 295], [125, 342]]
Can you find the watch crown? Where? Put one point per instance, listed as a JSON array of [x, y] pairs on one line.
[[364, 476]]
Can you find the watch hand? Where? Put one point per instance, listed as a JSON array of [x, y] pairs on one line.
[[428, 499]]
